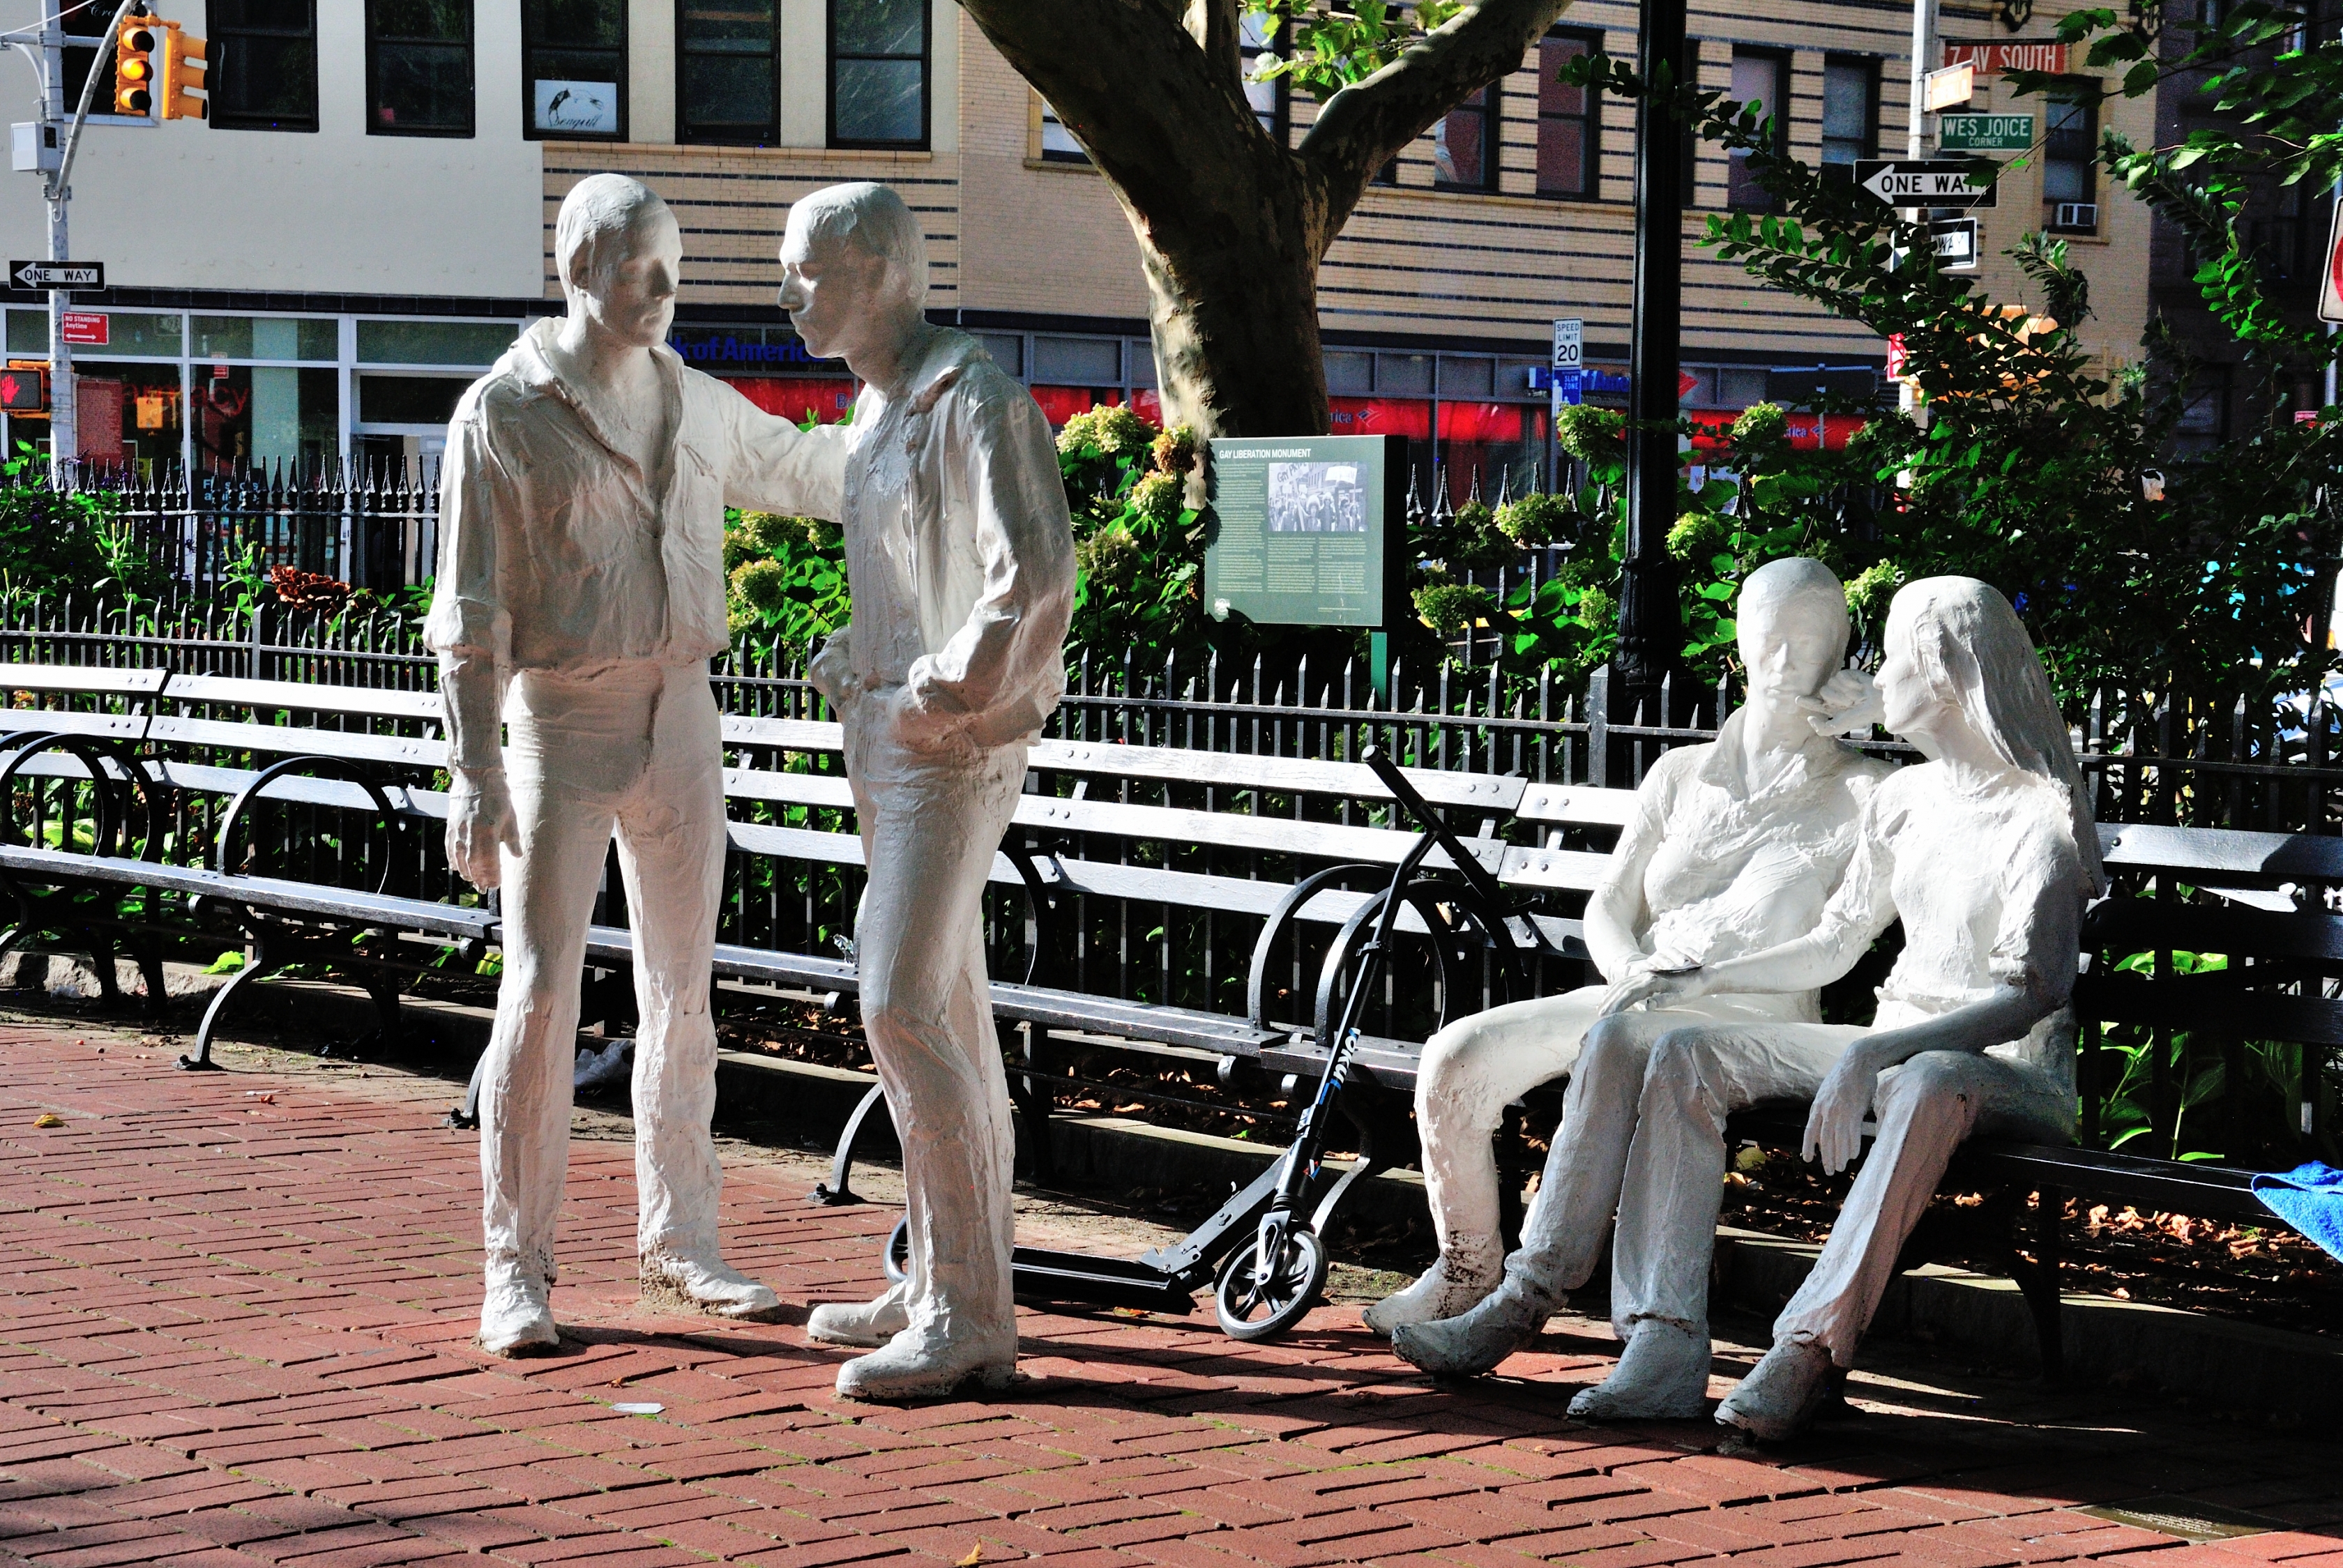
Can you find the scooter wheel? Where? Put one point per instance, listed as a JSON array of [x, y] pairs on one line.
[[895, 1258], [1284, 1299]]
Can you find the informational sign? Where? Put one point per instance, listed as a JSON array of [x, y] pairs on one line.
[[1993, 59], [1952, 85], [1896, 357], [1924, 182], [1569, 343], [1985, 133], [2330, 289], [579, 108], [1956, 244], [88, 328], [1307, 530], [59, 274]]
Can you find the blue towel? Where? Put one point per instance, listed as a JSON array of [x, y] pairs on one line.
[[2310, 1199]]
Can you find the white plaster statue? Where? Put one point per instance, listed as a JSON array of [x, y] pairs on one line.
[[1733, 848], [580, 595], [959, 552], [1986, 854]]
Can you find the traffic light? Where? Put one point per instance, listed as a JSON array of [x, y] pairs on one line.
[[134, 68], [24, 391], [183, 61]]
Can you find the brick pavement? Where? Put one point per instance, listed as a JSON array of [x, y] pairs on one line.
[[233, 1320]]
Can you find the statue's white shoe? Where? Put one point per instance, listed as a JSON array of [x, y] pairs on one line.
[[865, 1324], [713, 1287], [1780, 1396], [923, 1364], [1661, 1375], [1436, 1294], [1476, 1340], [515, 1320]]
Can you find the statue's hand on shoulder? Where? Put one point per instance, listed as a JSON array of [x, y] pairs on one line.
[[480, 821], [1848, 703]]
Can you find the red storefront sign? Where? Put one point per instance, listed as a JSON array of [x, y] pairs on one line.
[[1409, 417], [1712, 430], [1993, 59], [796, 399]]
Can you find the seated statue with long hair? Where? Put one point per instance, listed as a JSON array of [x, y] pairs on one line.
[[1986, 854]]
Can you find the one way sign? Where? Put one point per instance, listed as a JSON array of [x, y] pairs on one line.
[[59, 274], [1926, 184]]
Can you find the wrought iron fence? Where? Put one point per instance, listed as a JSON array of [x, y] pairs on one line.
[[371, 525], [2151, 757]]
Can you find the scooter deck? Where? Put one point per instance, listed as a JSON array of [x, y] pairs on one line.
[[1043, 1275]]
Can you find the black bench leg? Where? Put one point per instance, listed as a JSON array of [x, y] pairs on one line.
[[2038, 1280], [260, 965], [1032, 1104], [839, 1191], [150, 969]]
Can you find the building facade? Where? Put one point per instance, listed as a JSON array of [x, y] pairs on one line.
[[365, 219]]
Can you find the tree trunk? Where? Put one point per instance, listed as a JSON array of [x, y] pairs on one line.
[[1232, 226]]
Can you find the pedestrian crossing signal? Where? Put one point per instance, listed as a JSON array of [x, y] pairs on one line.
[[24, 392]]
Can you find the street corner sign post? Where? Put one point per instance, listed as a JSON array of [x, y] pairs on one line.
[[71, 274], [1927, 182]]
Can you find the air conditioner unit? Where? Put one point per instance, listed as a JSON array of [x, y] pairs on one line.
[[2084, 214]]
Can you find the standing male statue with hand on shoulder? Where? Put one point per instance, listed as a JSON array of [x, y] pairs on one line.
[[581, 596], [960, 555]]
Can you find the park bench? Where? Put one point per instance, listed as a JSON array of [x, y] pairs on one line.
[[107, 715]]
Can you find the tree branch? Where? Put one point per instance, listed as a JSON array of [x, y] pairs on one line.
[[1215, 26], [1363, 126]]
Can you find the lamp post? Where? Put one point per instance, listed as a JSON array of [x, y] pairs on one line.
[[1651, 629]]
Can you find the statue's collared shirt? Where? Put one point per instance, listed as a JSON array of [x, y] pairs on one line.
[[1735, 868], [959, 553], [559, 553]]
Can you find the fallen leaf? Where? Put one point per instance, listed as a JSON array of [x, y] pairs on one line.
[[975, 1555], [48, 1118]]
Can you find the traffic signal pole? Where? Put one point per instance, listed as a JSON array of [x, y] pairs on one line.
[[64, 448], [1651, 629]]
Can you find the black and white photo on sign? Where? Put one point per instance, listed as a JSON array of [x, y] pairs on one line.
[[1316, 498], [583, 107]]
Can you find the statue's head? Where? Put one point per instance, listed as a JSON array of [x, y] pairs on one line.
[[619, 254], [854, 269], [1957, 656], [1793, 624]]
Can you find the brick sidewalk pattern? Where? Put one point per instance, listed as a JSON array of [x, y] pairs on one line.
[[235, 1311]]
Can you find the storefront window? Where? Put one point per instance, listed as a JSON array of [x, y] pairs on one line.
[[476, 343], [266, 337], [132, 335], [257, 416], [797, 398], [128, 414], [1499, 444]]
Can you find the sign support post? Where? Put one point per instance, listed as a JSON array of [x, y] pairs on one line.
[[1650, 625]]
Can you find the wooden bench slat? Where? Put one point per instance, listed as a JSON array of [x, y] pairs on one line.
[[377, 702], [81, 679], [1577, 805], [2263, 858], [132, 727], [453, 920], [230, 736]]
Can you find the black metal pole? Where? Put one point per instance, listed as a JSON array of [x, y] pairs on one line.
[[1651, 630]]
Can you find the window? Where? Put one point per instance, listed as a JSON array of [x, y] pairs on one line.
[[574, 68], [420, 67], [1057, 143], [728, 71], [2070, 163], [878, 73], [1569, 120], [1850, 109], [1268, 99], [1762, 77], [1465, 144], [266, 78]]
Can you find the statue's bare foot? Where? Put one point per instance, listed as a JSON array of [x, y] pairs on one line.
[[1438, 1293], [1777, 1399], [1661, 1375], [1475, 1342], [712, 1287], [516, 1320], [864, 1324]]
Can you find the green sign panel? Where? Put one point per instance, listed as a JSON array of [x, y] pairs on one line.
[[1985, 133], [1307, 530]]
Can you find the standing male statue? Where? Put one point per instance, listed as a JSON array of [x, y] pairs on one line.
[[960, 555], [581, 596]]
